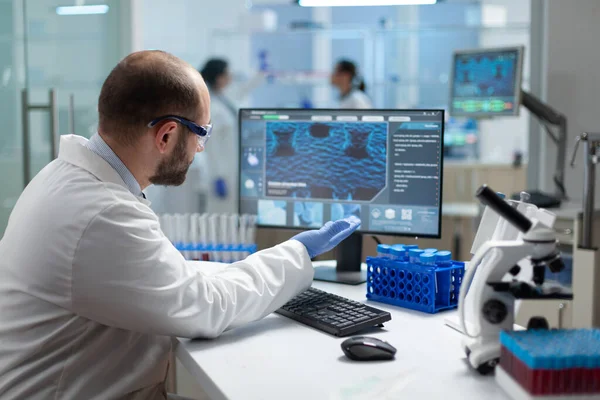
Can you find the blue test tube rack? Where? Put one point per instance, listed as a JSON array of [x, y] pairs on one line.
[[417, 286]]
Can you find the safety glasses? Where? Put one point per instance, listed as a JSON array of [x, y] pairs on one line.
[[203, 132]]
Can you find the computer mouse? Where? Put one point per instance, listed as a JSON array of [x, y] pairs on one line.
[[365, 348]]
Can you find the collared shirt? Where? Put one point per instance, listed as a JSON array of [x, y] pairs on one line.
[[99, 146]]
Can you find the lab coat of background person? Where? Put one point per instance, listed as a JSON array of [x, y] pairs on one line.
[[223, 176], [352, 88], [92, 293]]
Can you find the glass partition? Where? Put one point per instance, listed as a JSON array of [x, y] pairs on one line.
[[45, 48], [403, 53]]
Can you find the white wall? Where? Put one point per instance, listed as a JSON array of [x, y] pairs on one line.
[[572, 79], [188, 29]]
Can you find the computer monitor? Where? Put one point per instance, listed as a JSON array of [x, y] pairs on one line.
[[300, 168], [486, 82]]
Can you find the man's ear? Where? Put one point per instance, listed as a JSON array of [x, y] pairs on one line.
[[164, 136]]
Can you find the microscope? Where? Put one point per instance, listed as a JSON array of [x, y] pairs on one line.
[[492, 295]]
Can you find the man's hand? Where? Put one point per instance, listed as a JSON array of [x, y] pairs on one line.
[[330, 235]]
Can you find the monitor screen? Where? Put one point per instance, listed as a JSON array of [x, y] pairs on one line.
[[486, 83], [300, 168]]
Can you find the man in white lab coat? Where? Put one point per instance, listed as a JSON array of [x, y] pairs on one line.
[[91, 291]]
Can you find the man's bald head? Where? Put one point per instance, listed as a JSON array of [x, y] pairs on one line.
[[144, 86]]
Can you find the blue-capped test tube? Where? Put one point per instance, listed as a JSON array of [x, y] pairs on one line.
[[397, 246], [443, 258], [397, 252], [427, 259], [414, 255], [431, 250], [383, 250], [409, 247]]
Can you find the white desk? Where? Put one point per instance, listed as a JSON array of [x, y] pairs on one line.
[[278, 358]]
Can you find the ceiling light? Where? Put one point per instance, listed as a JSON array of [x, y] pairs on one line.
[[350, 3], [82, 10]]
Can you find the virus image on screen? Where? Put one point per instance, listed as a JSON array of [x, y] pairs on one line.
[[331, 161]]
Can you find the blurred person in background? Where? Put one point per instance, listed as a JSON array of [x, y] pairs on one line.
[[223, 177], [352, 87]]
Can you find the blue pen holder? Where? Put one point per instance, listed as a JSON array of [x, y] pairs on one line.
[[415, 286]]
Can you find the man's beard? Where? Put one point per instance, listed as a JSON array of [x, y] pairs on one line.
[[172, 170]]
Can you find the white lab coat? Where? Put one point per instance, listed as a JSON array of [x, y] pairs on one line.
[[220, 160], [92, 292], [356, 99], [221, 157]]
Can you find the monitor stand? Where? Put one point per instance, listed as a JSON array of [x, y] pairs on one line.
[[549, 116], [348, 264]]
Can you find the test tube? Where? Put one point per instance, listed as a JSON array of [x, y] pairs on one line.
[[224, 238], [427, 259], [408, 248], [243, 235], [180, 233], [397, 253], [186, 239], [414, 256], [383, 250], [234, 237], [213, 241], [251, 230], [431, 250], [243, 228], [443, 258], [247, 233], [203, 237], [193, 248]]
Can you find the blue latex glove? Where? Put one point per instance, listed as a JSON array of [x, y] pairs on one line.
[[221, 188], [330, 235]]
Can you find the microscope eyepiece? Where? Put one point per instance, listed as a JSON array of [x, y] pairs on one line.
[[489, 197]]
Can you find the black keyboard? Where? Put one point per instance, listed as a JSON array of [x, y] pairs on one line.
[[332, 314]]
